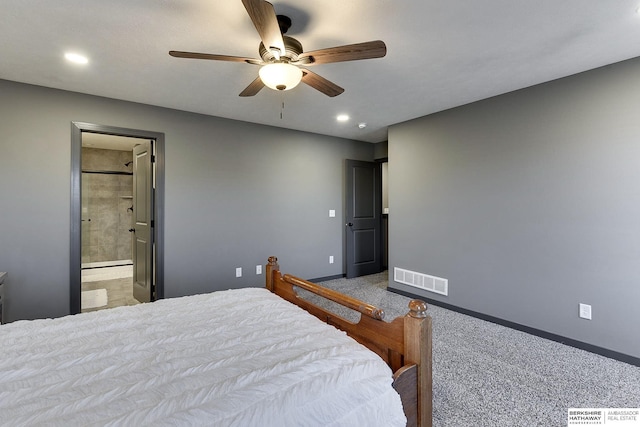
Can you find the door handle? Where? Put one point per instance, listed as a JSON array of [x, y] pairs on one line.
[[349, 224], [132, 230]]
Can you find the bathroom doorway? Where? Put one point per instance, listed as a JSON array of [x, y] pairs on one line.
[[107, 221], [105, 216]]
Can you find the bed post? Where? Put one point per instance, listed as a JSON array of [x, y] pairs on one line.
[[405, 343], [272, 266], [417, 336]]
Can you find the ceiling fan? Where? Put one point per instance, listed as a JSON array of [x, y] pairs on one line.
[[282, 57]]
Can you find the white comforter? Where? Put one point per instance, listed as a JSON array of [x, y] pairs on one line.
[[232, 358]]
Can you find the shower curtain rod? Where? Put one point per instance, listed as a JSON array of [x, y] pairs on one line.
[[109, 172]]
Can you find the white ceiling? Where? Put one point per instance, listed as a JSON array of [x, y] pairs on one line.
[[440, 54]]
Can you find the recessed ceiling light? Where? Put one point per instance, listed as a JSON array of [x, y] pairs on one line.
[[76, 58], [342, 118], [362, 125]]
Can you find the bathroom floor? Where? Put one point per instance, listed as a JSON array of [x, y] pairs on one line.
[[118, 283]]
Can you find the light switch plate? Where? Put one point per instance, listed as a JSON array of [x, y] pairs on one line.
[[239, 272], [332, 213], [585, 311]]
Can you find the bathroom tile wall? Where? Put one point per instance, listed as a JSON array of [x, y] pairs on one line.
[[106, 205]]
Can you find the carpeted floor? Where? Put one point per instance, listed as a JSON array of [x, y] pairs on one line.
[[489, 375]]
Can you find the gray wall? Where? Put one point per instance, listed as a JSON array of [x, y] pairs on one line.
[[381, 150], [235, 194], [529, 203]]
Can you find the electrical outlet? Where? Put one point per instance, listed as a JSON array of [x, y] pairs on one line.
[[258, 269], [239, 272], [330, 259], [585, 311]]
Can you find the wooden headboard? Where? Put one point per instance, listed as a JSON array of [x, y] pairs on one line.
[[404, 343]]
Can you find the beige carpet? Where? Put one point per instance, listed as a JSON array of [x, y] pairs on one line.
[[485, 374]]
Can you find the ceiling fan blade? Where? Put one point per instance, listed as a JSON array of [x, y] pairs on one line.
[[263, 16], [195, 55], [253, 88], [320, 83], [352, 52]]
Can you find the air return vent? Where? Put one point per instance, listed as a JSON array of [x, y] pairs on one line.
[[421, 281]]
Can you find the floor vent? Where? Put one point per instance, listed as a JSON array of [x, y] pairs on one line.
[[421, 281]]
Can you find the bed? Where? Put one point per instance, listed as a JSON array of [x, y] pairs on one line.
[[245, 357]]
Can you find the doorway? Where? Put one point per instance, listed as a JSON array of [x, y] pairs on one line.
[[107, 216], [363, 216], [144, 210]]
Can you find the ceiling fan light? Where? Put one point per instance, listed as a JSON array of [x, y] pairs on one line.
[[280, 76]]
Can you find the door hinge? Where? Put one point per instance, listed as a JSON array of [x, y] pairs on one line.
[[153, 158], [153, 224]]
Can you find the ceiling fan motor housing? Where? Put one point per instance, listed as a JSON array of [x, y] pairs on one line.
[[293, 48]]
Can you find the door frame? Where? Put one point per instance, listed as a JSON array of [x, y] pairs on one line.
[[75, 264], [384, 217]]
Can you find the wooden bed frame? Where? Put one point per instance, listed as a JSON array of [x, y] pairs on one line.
[[404, 343]]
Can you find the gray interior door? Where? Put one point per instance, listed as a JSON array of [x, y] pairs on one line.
[[143, 283], [363, 218]]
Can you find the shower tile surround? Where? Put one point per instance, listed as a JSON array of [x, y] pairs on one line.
[[106, 201]]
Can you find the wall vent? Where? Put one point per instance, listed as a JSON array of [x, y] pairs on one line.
[[421, 281]]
